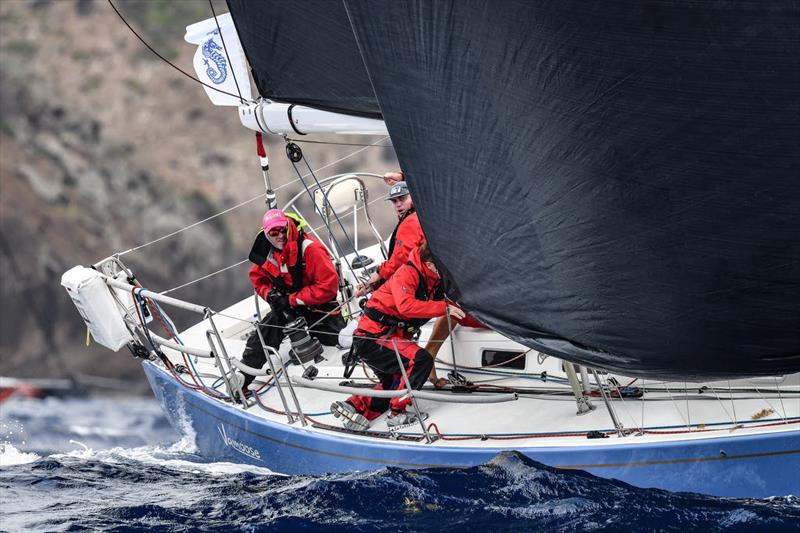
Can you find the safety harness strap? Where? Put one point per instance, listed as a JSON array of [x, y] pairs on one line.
[[394, 233], [412, 324]]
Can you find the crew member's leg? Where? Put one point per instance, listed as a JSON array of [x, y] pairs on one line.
[[327, 330], [382, 359], [418, 363], [384, 363], [271, 327], [439, 334]]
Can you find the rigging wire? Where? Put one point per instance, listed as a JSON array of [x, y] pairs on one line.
[[225, 49], [622, 399], [677, 408], [730, 394], [243, 261], [140, 303], [686, 397], [780, 397], [772, 407], [220, 271], [644, 391], [319, 211], [241, 204], [190, 226], [170, 63], [722, 404]]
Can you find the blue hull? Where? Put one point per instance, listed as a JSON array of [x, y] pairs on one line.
[[732, 466]]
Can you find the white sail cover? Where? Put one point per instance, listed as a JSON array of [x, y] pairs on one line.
[[97, 307], [214, 66]]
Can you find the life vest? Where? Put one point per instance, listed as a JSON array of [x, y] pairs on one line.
[[394, 233], [260, 253], [412, 324]]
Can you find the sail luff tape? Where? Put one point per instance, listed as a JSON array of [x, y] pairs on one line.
[[199, 352], [156, 296], [435, 396]]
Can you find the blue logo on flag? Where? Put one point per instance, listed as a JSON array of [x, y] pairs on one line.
[[218, 71]]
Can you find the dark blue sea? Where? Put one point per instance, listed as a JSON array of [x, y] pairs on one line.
[[115, 464]]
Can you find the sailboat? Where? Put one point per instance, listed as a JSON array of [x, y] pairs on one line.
[[611, 189]]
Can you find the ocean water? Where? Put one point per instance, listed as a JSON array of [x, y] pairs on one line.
[[115, 464]]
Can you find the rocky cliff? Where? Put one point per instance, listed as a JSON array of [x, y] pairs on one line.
[[102, 148]]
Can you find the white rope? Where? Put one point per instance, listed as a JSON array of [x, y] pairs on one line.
[[262, 195]]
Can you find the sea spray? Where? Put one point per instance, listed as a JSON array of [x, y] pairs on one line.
[[10, 455]]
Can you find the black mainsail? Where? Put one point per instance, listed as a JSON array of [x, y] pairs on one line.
[[617, 184], [304, 53]]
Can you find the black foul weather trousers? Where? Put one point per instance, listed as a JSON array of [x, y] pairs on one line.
[[271, 327], [382, 359]]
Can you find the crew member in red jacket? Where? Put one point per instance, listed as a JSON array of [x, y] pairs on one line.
[[411, 297], [295, 275], [407, 236]]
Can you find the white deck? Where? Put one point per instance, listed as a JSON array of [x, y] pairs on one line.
[[666, 411]]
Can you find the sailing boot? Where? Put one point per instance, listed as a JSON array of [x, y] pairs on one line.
[[401, 419], [351, 418]]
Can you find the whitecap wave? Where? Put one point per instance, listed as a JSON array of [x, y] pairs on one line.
[[10, 455], [173, 457]]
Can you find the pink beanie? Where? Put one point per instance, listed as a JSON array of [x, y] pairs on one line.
[[274, 218]]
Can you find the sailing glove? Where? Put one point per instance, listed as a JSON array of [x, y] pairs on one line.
[[278, 300]]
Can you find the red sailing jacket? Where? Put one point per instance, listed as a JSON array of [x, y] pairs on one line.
[[320, 281], [407, 237], [396, 296]]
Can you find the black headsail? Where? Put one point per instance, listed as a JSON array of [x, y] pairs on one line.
[[616, 183]]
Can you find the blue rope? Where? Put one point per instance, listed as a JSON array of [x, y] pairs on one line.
[[271, 410], [168, 323]]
